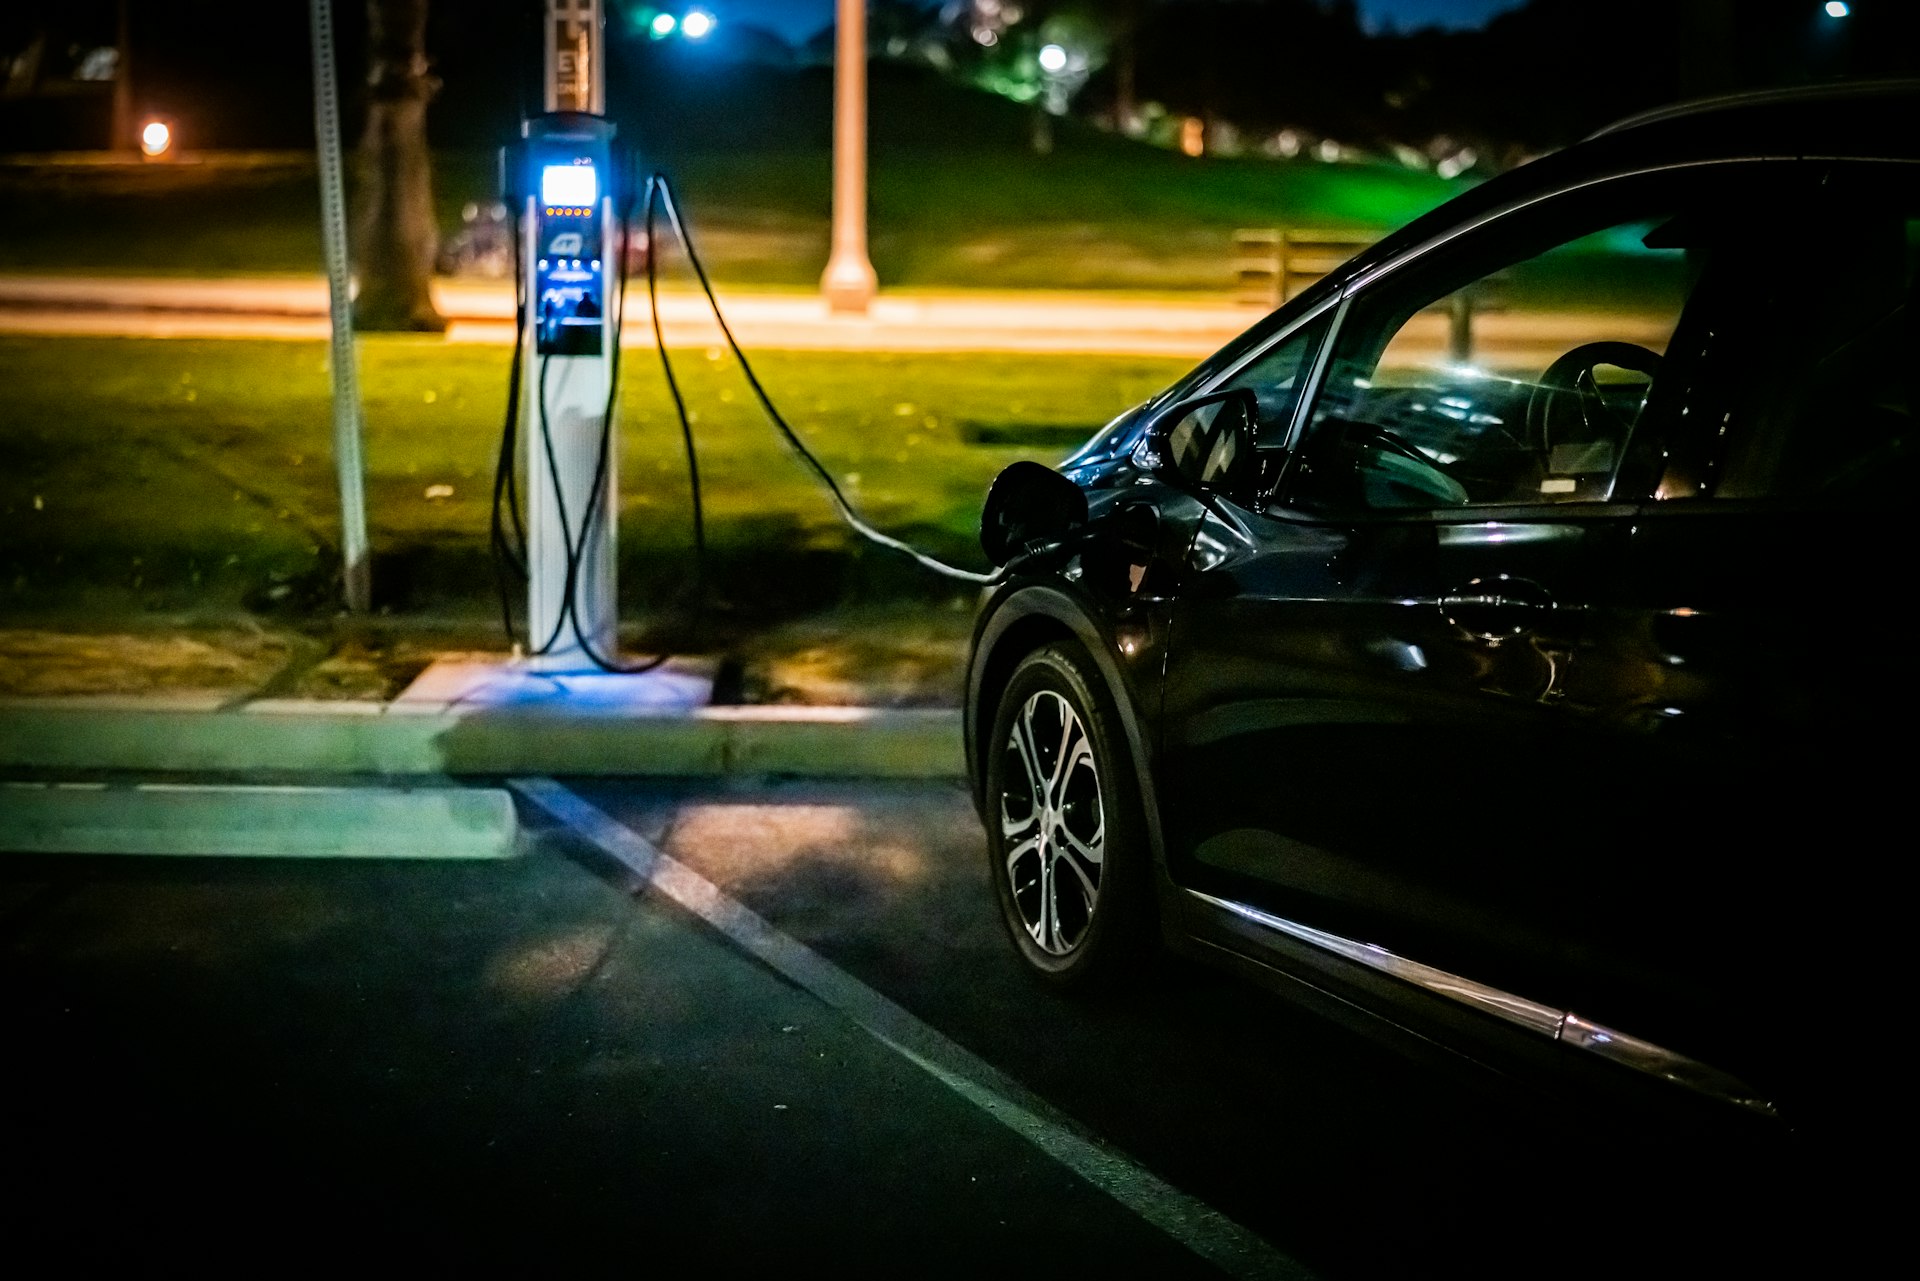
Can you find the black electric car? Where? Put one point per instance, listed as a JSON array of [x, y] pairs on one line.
[[1508, 637]]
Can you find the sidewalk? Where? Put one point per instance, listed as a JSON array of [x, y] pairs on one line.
[[482, 311], [437, 702], [594, 735], [204, 773]]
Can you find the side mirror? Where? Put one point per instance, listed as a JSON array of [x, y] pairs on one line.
[[1029, 503], [1205, 443]]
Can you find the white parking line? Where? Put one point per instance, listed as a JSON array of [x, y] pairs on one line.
[[234, 820], [1191, 1222]]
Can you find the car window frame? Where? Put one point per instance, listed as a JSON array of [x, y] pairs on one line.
[[1276, 504], [1488, 236]]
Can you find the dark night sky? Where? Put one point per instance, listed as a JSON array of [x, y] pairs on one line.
[[797, 19]]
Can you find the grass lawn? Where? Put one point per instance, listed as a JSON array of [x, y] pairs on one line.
[[957, 196], [162, 473]]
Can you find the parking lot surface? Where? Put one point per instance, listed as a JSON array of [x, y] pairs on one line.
[[541, 1059]]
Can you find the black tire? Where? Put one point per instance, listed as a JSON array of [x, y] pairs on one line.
[[1042, 824]]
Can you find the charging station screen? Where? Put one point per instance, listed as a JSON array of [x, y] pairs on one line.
[[564, 185]]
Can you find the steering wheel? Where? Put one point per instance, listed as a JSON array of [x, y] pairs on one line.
[[1568, 387]]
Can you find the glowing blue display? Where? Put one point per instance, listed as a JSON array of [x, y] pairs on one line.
[[568, 185]]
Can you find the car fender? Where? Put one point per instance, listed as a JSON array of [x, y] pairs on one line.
[[1000, 625]]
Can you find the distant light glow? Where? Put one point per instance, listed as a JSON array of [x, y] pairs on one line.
[[662, 25], [1053, 59], [697, 25], [155, 137], [1835, 9]]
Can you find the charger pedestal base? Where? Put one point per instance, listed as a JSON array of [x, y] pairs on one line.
[[482, 681]]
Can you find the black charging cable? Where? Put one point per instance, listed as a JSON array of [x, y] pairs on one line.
[[595, 506], [845, 509], [509, 538], [510, 560], [507, 534]]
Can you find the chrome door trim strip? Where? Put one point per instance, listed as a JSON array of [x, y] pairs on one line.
[[1559, 1025], [1655, 1060], [1503, 1005]]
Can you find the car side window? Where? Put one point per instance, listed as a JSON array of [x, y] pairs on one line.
[[1277, 377], [1821, 402], [1511, 373]]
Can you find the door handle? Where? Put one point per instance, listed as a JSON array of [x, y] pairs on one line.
[[1497, 607]]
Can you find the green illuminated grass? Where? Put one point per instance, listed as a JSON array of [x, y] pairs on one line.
[[177, 470]]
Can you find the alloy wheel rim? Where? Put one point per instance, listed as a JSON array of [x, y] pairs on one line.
[[1052, 824]]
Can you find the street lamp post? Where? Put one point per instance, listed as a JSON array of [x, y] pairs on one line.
[[1061, 72], [849, 281]]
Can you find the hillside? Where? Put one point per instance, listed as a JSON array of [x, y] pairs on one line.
[[958, 196]]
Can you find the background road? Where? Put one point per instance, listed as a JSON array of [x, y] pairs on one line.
[[985, 320], [480, 311]]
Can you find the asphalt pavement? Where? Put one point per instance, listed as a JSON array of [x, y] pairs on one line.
[[548, 1060]]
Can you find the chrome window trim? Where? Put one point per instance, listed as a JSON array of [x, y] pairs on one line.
[[1343, 300], [1220, 379], [1303, 409], [1310, 394], [1810, 95], [1559, 1025]]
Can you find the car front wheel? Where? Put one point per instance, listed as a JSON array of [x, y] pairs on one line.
[[1064, 831]]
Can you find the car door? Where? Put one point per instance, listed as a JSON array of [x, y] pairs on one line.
[[1376, 723], [1751, 654], [1361, 724]]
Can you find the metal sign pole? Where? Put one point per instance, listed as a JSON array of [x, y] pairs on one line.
[[356, 569]]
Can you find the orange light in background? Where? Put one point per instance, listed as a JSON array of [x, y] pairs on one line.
[[155, 138], [1193, 136]]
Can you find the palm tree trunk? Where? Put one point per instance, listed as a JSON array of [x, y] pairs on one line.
[[396, 237]]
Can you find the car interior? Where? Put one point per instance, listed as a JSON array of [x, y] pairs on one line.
[[1405, 423], [1834, 422]]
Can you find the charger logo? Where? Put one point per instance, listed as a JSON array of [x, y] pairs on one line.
[[567, 244]]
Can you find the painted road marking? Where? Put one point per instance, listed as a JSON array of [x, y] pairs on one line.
[[1191, 1222], [202, 820]]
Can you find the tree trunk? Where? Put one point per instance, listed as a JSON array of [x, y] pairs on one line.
[[1126, 101], [122, 133], [395, 224]]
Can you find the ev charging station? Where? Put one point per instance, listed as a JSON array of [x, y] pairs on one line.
[[573, 198], [564, 178]]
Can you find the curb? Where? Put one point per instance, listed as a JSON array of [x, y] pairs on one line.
[[247, 822], [387, 738]]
